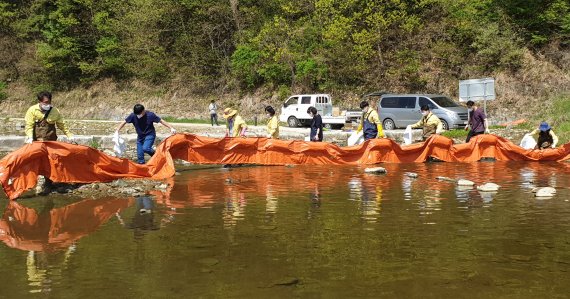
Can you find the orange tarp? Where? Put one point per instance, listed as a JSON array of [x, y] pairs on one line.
[[68, 163]]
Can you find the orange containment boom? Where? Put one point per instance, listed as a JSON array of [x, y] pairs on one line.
[[67, 163]]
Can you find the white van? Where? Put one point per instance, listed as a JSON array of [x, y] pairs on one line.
[[294, 111]]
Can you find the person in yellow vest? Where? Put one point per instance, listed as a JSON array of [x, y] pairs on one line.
[[42, 119], [272, 124], [235, 125], [430, 123], [370, 122]]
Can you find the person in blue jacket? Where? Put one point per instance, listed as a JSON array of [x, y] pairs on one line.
[[143, 121]]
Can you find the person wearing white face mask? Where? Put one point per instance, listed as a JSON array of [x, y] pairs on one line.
[[143, 121], [272, 124], [42, 119], [430, 123]]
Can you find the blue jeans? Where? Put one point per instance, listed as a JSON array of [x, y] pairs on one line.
[[144, 145]]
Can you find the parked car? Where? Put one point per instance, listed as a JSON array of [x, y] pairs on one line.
[[294, 111], [401, 110]]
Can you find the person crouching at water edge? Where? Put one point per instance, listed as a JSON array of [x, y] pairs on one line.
[[546, 137], [41, 120], [143, 121], [272, 124], [235, 125], [477, 120], [430, 123], [316, 124], [370, 122]]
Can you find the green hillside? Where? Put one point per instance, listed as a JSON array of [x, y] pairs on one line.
[[267, 49]]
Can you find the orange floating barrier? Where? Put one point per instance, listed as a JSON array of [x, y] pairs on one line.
[[513, 123], [67, 163]]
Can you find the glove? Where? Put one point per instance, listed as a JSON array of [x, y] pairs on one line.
[[359, 128], [172, 131], [28, 140]]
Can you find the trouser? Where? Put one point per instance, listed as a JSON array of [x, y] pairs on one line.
[[144, 145], [214, 118], [472, 134]]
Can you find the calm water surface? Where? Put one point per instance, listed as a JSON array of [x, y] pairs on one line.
[[305, 231]]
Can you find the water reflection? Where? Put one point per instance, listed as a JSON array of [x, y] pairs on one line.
[[54, 229], [238, 186], [143, 216], [234, 209], [50, 235]]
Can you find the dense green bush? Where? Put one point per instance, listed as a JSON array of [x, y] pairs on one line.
[[305, 45]]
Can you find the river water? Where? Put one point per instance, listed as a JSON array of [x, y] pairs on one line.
[[304, 231]]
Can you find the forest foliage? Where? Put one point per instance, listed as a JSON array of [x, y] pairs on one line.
[[312, 45]]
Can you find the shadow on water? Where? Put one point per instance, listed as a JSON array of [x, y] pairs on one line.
[[305, 231]]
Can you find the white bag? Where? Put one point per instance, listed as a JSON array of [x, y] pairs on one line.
[[119, 146], [408, 136], [528, 142], [355, 138]]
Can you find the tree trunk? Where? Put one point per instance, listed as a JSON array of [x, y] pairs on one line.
[[235, 11]]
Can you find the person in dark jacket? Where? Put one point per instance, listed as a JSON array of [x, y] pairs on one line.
[[316, 124]]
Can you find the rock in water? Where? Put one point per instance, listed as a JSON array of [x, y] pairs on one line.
[[286, 281], [488, 187], [375, 170], [443, 178], [545, 192], [209, 261], [463, 182]]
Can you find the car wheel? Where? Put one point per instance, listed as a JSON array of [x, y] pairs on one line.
[[293, 122], [388, 124], [444, 124]]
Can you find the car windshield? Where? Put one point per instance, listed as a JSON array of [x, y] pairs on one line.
[[444, 102]]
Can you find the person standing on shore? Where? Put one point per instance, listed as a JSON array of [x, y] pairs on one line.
[[477, 120], [42, 119], [272, 124], [41, 122], [430, 123], [235, 125], [370, 122], [213, 112], [316, 124], [143, 121]]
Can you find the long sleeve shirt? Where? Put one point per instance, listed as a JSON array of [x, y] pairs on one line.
[[273, 127], [428, 121], [554, 137], [237, 125], [35, 113]]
